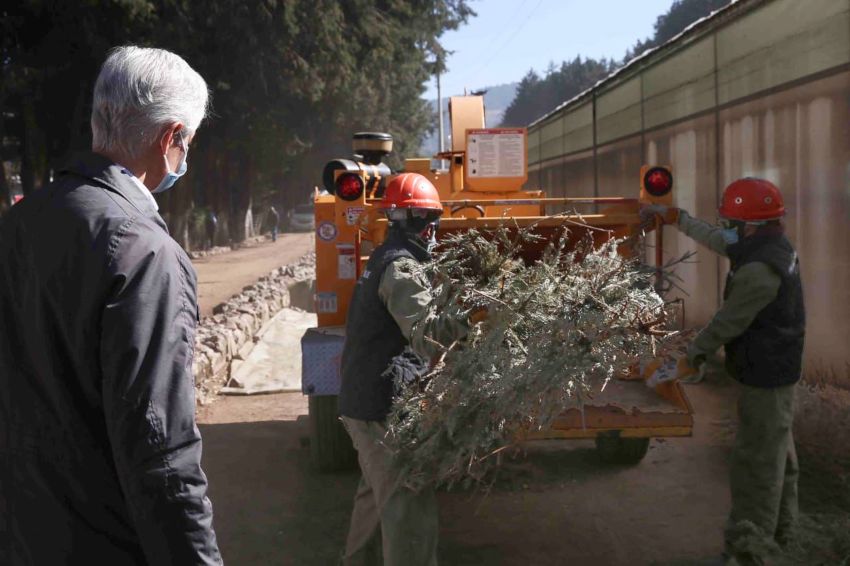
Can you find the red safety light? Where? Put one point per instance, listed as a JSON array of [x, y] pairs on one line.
[[658, 181], [349, 186]]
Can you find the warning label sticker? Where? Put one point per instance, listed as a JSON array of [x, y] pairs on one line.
[[352, 214], [496, 152], [345, 261]]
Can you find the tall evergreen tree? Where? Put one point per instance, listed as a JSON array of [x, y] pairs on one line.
[[290, 81], [680, 15], [537, 95]]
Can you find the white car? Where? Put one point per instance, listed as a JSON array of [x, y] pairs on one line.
[[301, 218]]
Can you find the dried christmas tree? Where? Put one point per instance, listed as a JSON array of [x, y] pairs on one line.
[[558, 329]]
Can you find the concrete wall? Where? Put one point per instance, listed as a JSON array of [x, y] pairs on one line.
[[762, 88]]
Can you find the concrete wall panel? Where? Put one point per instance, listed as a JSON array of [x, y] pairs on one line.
[[783, 41], [552, 139], [618, 111], [680, 86], [578, 128]]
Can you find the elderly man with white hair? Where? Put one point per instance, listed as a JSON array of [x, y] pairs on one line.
[[100, 456]]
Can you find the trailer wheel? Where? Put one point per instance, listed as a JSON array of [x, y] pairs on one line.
[[330, 445], [614, 449]]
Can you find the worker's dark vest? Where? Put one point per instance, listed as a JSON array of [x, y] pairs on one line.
[[372, 337], [770, 352]]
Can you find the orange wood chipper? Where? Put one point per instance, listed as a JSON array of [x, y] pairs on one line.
[[481, 187]]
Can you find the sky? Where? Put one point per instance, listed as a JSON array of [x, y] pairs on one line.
[[509, 37]]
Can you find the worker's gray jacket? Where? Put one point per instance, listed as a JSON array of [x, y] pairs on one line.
[[392, 328], [99, 452]]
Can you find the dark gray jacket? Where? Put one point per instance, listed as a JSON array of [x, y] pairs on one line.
[[99, 451]]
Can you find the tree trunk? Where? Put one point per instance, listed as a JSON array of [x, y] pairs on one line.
[[241, 187], [33, 150], [182, 204], [80, 139], [5, 191]]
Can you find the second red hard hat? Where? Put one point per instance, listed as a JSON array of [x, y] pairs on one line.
[[752, 200]]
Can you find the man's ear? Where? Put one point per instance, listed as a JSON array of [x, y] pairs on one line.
[[167, 139]]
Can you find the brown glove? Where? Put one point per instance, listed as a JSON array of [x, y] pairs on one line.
[[668, 214], [478, 315]]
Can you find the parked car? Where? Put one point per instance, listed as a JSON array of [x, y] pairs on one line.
[[301, 218]]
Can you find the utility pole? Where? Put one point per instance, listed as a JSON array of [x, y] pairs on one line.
[[440, 111], [441, 144]]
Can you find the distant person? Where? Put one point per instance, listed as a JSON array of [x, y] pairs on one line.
[[211, 227], [100, 457], [761, 326], [275, 220]]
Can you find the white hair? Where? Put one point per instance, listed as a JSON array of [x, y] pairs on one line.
[[138, 93]]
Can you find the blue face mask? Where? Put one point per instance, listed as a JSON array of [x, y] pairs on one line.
[[730, 235], [172, 176]]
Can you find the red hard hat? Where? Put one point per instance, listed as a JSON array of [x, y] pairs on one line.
[[752, 200], [411, 190]]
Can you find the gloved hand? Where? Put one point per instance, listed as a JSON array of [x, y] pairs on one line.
[[668, 214], [478, 315], [696, 359], [408, 369], [668, 371]]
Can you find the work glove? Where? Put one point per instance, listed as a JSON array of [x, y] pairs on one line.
[[696, 360], [696, 357], [668, 214], [478, 315], [668, 371], [406, 370]]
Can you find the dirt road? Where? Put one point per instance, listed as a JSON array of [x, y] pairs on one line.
[[558, 506], [222, 276]]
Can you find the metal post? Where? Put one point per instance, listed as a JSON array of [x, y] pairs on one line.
[[659, 255], [441, 145]]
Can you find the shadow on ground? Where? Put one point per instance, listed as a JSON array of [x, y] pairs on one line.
[[270, 506]]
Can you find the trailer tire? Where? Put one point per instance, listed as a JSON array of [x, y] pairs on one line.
[[330, 445], [616, 450]]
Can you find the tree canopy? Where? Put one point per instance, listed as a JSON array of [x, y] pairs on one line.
[[680, 15], [290, 80], [538, 94]]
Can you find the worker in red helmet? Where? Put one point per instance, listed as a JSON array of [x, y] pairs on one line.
[[761, 324], [391, 336]]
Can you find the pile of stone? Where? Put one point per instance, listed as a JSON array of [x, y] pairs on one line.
[[233, 329], [218, 250]]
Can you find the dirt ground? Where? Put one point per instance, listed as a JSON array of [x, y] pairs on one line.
[[558, 505], [222, 276]]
